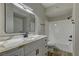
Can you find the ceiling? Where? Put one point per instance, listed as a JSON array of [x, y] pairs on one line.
[[57, 9], [46, 5]]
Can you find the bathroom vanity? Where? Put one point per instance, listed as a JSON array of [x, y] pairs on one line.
[[35, 47], [22, 20]]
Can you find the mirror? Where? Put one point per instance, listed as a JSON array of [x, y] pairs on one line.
[[18, 20]]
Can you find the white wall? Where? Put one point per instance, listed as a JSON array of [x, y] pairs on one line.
[[1, 18], [59, 31], [76, 30]]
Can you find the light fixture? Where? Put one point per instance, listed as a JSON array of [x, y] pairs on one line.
[[23, 7], [55, 24]]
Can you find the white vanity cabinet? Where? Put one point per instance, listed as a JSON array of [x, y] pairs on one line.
[[35, 48]]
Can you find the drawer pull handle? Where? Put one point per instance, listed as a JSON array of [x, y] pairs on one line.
[[45, 40], [37, 51]]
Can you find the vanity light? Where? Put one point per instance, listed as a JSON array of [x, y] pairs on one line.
[[18, 5], [55, 24], [24, 7], [29, 11]]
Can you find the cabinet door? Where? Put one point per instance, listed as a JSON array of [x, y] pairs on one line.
[[36, 47], [39, 51], [21, 51], [29, 48], [36, 52], [42, 46], [33, 53], [44, 50]]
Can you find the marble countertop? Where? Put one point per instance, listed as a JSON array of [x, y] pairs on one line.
[[25, 42]]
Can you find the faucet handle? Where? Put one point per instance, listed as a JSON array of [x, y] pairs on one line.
[[26, 34], [70, 36], [70, 40]]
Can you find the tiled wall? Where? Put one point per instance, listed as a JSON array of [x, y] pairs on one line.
[[59, 32]]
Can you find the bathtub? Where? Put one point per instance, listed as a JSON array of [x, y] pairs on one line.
[[61, 46], [64, 47]]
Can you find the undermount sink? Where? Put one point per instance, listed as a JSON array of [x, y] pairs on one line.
[[14, 41], [32, 37]]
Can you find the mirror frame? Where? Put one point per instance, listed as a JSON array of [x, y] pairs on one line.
[[25, 11]]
